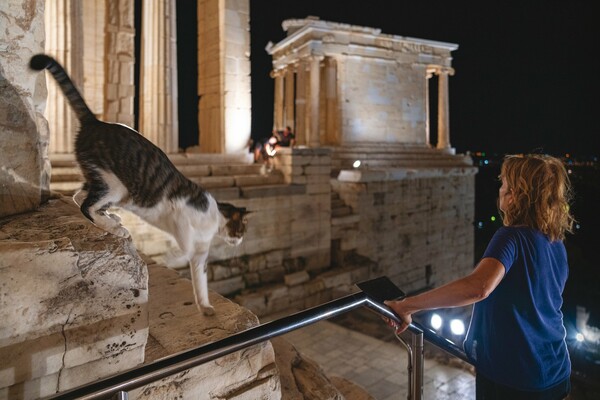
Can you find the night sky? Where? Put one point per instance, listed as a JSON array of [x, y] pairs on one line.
[[525, 75]]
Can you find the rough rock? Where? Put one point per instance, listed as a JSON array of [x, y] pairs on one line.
[[176, 325], [73, 302], [24, 164]]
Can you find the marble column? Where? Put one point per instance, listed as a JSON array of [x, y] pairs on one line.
[[301, 138], [313, 114], [289, 98], [331, 123], [443, 110], [64, 32], [429, 72], [278, 100], [118, 55], [158, 120]]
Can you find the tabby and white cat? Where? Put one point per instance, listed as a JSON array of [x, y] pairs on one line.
[[122, 168]]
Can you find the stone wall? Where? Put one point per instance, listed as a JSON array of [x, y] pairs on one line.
[[24, 165], [417, 227], [386, 105]]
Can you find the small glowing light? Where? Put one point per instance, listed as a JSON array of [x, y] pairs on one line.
[[493, 218], [356, 164], [577, 226], [436, 321], [570, 171], [457, 327], [579, 337], [480, 224], [486, 162]]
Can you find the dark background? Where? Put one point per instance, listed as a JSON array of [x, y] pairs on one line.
[[524, 78]]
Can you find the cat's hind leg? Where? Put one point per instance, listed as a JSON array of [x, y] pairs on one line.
[[80, 195], [95, 205]]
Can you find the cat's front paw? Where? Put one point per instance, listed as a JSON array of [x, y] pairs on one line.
[[209, 311], [120, 231]]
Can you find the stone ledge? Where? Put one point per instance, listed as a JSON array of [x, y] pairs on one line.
[[250, 192], [176, 325], [77, 302], [398, 174]]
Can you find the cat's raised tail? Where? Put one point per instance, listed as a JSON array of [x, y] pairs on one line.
[[43, 61]]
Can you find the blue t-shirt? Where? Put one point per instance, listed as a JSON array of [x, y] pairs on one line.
[[517, 336]]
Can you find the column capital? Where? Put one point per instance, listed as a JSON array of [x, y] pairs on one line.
[[329, 61], [439, 70], [315, 57], [278, 72]]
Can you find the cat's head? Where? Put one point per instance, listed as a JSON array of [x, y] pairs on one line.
[[236, 222]]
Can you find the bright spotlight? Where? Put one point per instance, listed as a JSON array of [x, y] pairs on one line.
[[457, 327], [436, 321], [579, 337], [356, 164]]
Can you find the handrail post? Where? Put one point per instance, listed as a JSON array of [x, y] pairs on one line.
[[121, 396], [418, 365]]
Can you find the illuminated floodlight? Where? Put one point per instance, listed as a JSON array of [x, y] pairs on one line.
[[356, 164], [579, 337], [457, 327], [436, 321]]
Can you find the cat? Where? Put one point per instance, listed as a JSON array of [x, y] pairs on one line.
[[122, 168]]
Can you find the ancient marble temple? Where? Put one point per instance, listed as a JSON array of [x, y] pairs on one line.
[[343, 85], [81, 305]]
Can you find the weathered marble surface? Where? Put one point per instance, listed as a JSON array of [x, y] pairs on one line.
[[176, 326], [73, 302], [24, 164]]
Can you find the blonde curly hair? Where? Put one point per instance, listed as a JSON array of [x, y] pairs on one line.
[[541, 194]]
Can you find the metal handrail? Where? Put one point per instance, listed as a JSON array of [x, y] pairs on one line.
[[137, 377]]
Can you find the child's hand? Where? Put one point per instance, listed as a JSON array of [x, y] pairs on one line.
[[405, 318]]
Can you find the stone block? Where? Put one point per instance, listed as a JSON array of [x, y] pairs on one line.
[[272, 191], [176, 325], [225, 193], [227, 286], [25, 171], [77, 302], [210, 182], [296, 278]]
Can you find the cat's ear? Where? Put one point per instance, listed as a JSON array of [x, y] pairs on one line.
[[239, 213], [230, 211], [226, 209]]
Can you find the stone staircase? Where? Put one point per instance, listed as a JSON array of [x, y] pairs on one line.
[[218, 173], [375, 156]]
